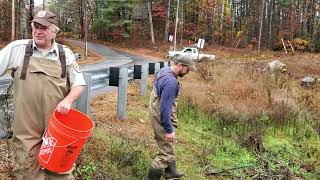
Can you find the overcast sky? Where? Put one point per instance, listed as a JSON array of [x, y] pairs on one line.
[[38, 2]]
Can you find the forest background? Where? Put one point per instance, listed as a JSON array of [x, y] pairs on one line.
[[236, 126], [233, 23]]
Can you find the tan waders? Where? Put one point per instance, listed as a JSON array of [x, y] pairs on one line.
[[165, 158], [166, 152], [38, 86]]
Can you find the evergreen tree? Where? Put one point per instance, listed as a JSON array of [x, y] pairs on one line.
[[114, 18]]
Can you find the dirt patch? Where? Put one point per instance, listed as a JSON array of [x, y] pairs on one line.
[[136, 126]]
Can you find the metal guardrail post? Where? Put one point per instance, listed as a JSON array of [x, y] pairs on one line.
[[83, 102], [144, 78], [156, 67], [122, 93]]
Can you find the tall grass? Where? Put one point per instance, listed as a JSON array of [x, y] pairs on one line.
[[250, 151], [108, 156], [258, 126]]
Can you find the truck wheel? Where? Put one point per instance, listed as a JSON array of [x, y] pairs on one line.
[[203, 59], [176, 56]]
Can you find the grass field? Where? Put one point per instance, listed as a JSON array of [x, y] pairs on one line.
[[232, 126]]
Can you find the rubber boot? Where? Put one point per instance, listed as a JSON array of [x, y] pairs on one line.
[[154, 174], [171, 171]]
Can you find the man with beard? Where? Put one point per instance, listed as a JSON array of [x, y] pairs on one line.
[[162, 112]]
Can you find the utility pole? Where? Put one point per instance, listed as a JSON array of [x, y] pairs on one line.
[[43, 4], [176, 27], [85, 30], [13, 24]]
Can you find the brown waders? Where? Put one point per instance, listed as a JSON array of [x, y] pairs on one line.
[[39, 85], [165, 158], [166, 152]]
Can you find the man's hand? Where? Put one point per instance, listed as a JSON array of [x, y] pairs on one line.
[[64, 106], [171, 137]]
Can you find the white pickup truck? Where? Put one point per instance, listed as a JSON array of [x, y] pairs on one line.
[[190, 52]]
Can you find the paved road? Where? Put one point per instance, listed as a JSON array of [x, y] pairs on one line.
[[113, 57]]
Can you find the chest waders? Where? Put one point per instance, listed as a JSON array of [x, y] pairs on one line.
[[166, 152], [39, 85]]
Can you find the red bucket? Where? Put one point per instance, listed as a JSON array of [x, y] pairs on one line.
[[63, 140]]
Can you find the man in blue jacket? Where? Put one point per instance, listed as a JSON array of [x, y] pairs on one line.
[[163, 117]]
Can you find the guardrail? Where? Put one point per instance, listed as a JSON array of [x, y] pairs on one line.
[[112, 77]]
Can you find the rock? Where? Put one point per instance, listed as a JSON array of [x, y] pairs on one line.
[[274, 74], [308, 81], [275, 67]]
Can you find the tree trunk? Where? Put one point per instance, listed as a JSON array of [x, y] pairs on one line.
[[81, 13], [23, 20], [151, 22], [221, 21], [261, 23], [232, 6], [182, 24], [176, 27], [271, 9], [85, 30], [316, 24], [30, 16], [166, 31], [13, 22]]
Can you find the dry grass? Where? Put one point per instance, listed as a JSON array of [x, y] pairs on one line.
[[224, 89], [135, 126], [240, 90]]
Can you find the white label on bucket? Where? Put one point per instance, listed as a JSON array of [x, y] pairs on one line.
[[49, 142], [47, 147]]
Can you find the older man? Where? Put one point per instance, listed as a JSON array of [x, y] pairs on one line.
[[46, 77], [163, 117]]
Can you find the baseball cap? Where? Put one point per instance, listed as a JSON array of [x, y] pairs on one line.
[[45, 18], [187, 61]]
